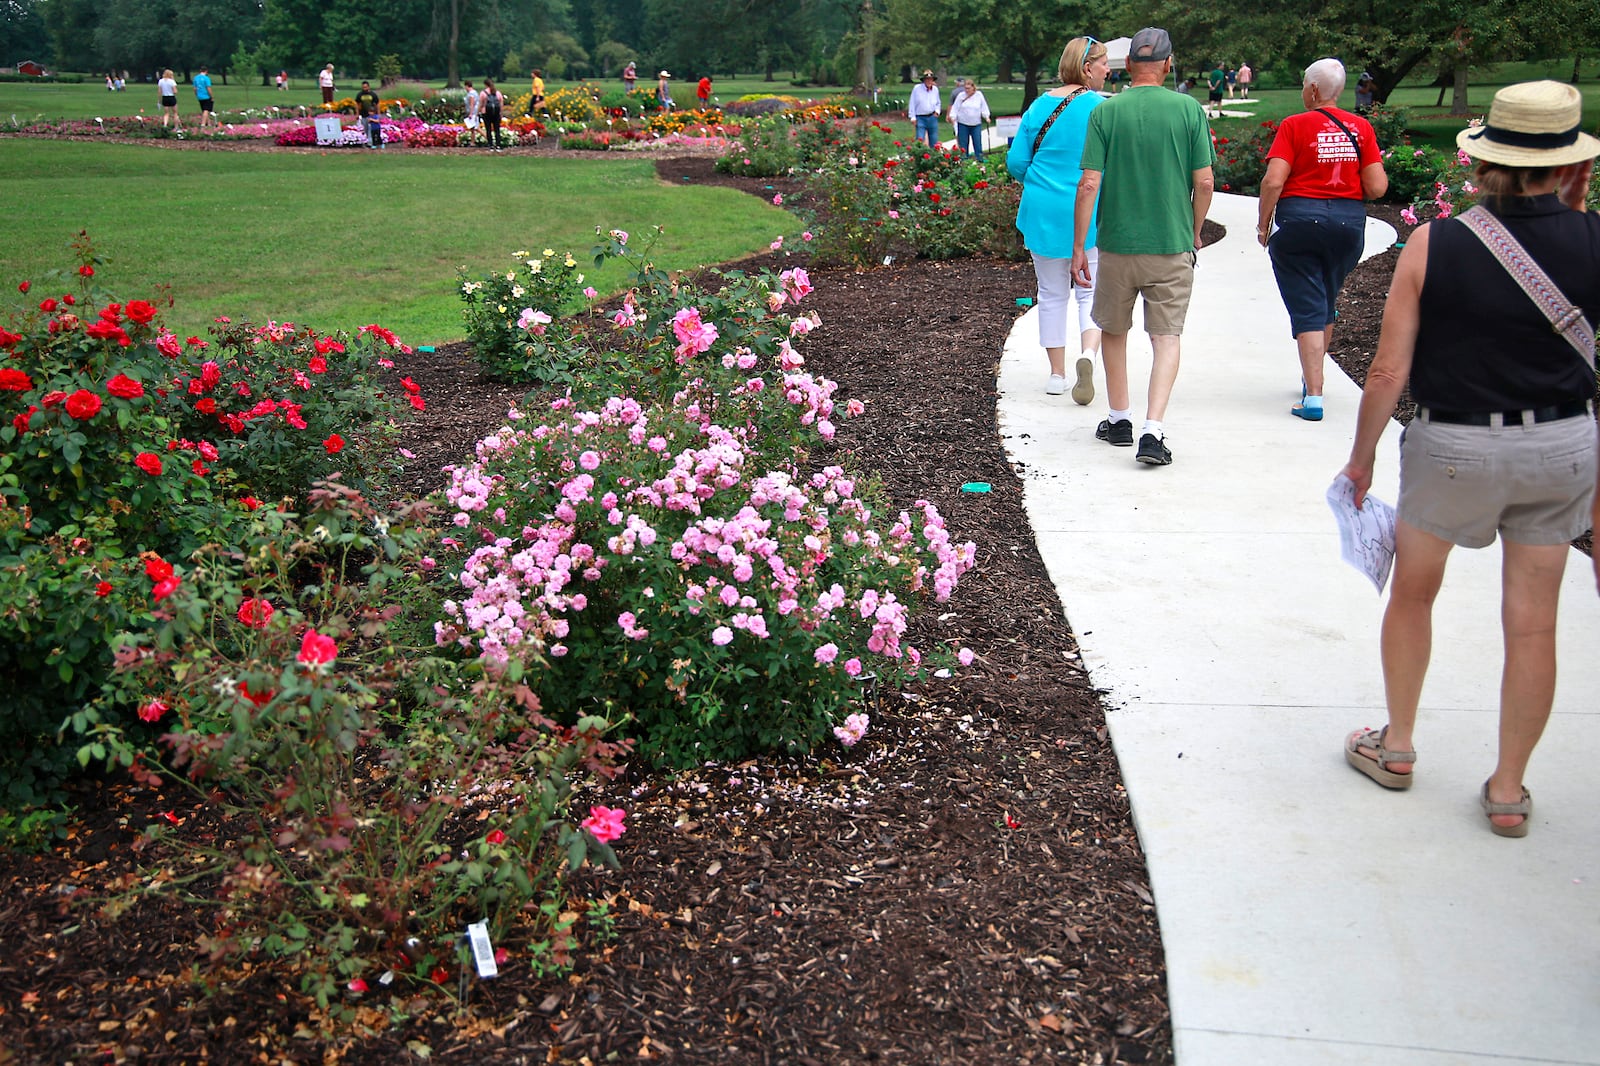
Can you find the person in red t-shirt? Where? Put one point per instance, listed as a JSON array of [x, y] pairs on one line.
[[703, 91], [1323, 162]]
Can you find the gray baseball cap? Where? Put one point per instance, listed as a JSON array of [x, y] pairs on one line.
[[1150, 45]]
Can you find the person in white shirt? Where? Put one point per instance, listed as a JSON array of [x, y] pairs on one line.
[[968, 112], [924, 110], [167, 86], [325, 81], [471, 121]]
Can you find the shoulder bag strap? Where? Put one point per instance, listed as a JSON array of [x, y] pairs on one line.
[[1051, 121], [1354, 143], [1565, 317]]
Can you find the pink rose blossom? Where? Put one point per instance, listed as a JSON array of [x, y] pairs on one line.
[[605, 823]]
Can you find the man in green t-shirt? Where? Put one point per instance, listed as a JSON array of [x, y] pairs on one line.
[[1153, 148]]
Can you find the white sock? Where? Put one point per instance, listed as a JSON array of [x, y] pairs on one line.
[[1119, 416], [1154, 428]]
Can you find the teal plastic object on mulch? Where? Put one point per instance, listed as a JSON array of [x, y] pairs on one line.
[[1024, 301], [975, 486]]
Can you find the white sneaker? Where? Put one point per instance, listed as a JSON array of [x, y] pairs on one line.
[[1057, 385]]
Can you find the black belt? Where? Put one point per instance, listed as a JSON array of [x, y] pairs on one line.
[[1553, 413]]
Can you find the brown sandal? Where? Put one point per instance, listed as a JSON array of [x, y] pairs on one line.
[[1376, 765], [1524, 808]]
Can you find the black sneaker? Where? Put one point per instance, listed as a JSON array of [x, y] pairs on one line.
[[1153, 451], [1117, 433]]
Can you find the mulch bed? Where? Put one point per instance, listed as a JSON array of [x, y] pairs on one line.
[[963, 886]]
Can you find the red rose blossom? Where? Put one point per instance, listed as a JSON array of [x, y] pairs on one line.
[[86, 270], [48, 304], [255, 613], [495, 836], [14, 380], [24, 287], [21, 421], [83, 404], [152, 711], [103, 589], [157, 568], [334, 443], [249, 503], [149, 462], [140, 311], [125, 387], [316, 649]]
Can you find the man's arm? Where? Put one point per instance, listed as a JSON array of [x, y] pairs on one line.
[[1204, 184], [1082, 215]]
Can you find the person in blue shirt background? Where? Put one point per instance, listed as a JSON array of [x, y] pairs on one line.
[[202, 92], [1044, 157]]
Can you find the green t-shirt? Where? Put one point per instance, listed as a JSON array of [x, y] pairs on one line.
[[1147, 142], [1216, 80]]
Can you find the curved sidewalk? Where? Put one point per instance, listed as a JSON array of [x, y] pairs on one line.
[[1308, 916]]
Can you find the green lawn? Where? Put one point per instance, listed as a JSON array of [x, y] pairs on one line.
[[339, 239]]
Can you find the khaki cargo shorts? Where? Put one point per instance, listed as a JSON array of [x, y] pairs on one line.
[[1165, 282]]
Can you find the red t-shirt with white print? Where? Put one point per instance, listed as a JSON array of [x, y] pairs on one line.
[[1323, 164]]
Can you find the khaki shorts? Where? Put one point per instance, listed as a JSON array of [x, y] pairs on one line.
[[1165, 282], [1530, 483]]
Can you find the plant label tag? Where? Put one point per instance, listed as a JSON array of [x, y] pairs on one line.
[[482, 950]]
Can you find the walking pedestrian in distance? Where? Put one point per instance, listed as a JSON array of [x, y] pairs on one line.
[[202, 94], [492, 104], [1323, 162], [1044, 157], [1148, 156], [664, 90], [325, 81], [968, 113], [168, 88], [924, 110]]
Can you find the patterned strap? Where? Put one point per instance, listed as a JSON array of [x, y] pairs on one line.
[[1051, 121], [1565, 317]]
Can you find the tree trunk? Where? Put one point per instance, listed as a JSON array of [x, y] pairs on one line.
[[1458, 96], [453, 57], [866, 56], [1030, 83], [1575, 61], [1003, 73]]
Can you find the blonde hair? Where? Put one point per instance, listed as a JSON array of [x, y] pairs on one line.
[[167, 73], [1498, 181], [1075, 58]]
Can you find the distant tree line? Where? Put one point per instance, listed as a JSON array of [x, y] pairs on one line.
[[863, 43]]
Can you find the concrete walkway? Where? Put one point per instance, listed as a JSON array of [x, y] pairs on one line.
[[1308, 916]]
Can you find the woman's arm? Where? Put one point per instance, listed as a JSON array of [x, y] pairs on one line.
[[1391, 366], [1271, 188]]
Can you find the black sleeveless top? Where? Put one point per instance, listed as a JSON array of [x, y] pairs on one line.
[[1483, 345]]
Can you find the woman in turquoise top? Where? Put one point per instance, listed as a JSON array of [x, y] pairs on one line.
[[1044, 157]]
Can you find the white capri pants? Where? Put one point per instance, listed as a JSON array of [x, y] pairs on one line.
[[1060, 301]]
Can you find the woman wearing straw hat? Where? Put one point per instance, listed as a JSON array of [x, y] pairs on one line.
[[664, 90], [1504, 438]]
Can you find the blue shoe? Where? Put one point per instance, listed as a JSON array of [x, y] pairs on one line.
[[1310, 414]]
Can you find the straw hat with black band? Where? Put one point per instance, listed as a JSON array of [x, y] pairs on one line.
[[1532, 124]]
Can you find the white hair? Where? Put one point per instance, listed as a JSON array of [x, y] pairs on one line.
[[1327, 77]]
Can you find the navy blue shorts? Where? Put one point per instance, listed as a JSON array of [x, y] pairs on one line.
[[1316, 245]]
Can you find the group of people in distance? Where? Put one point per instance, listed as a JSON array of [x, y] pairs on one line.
[[1487, 322], [702, 89], [969, 113], [167, 88]]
